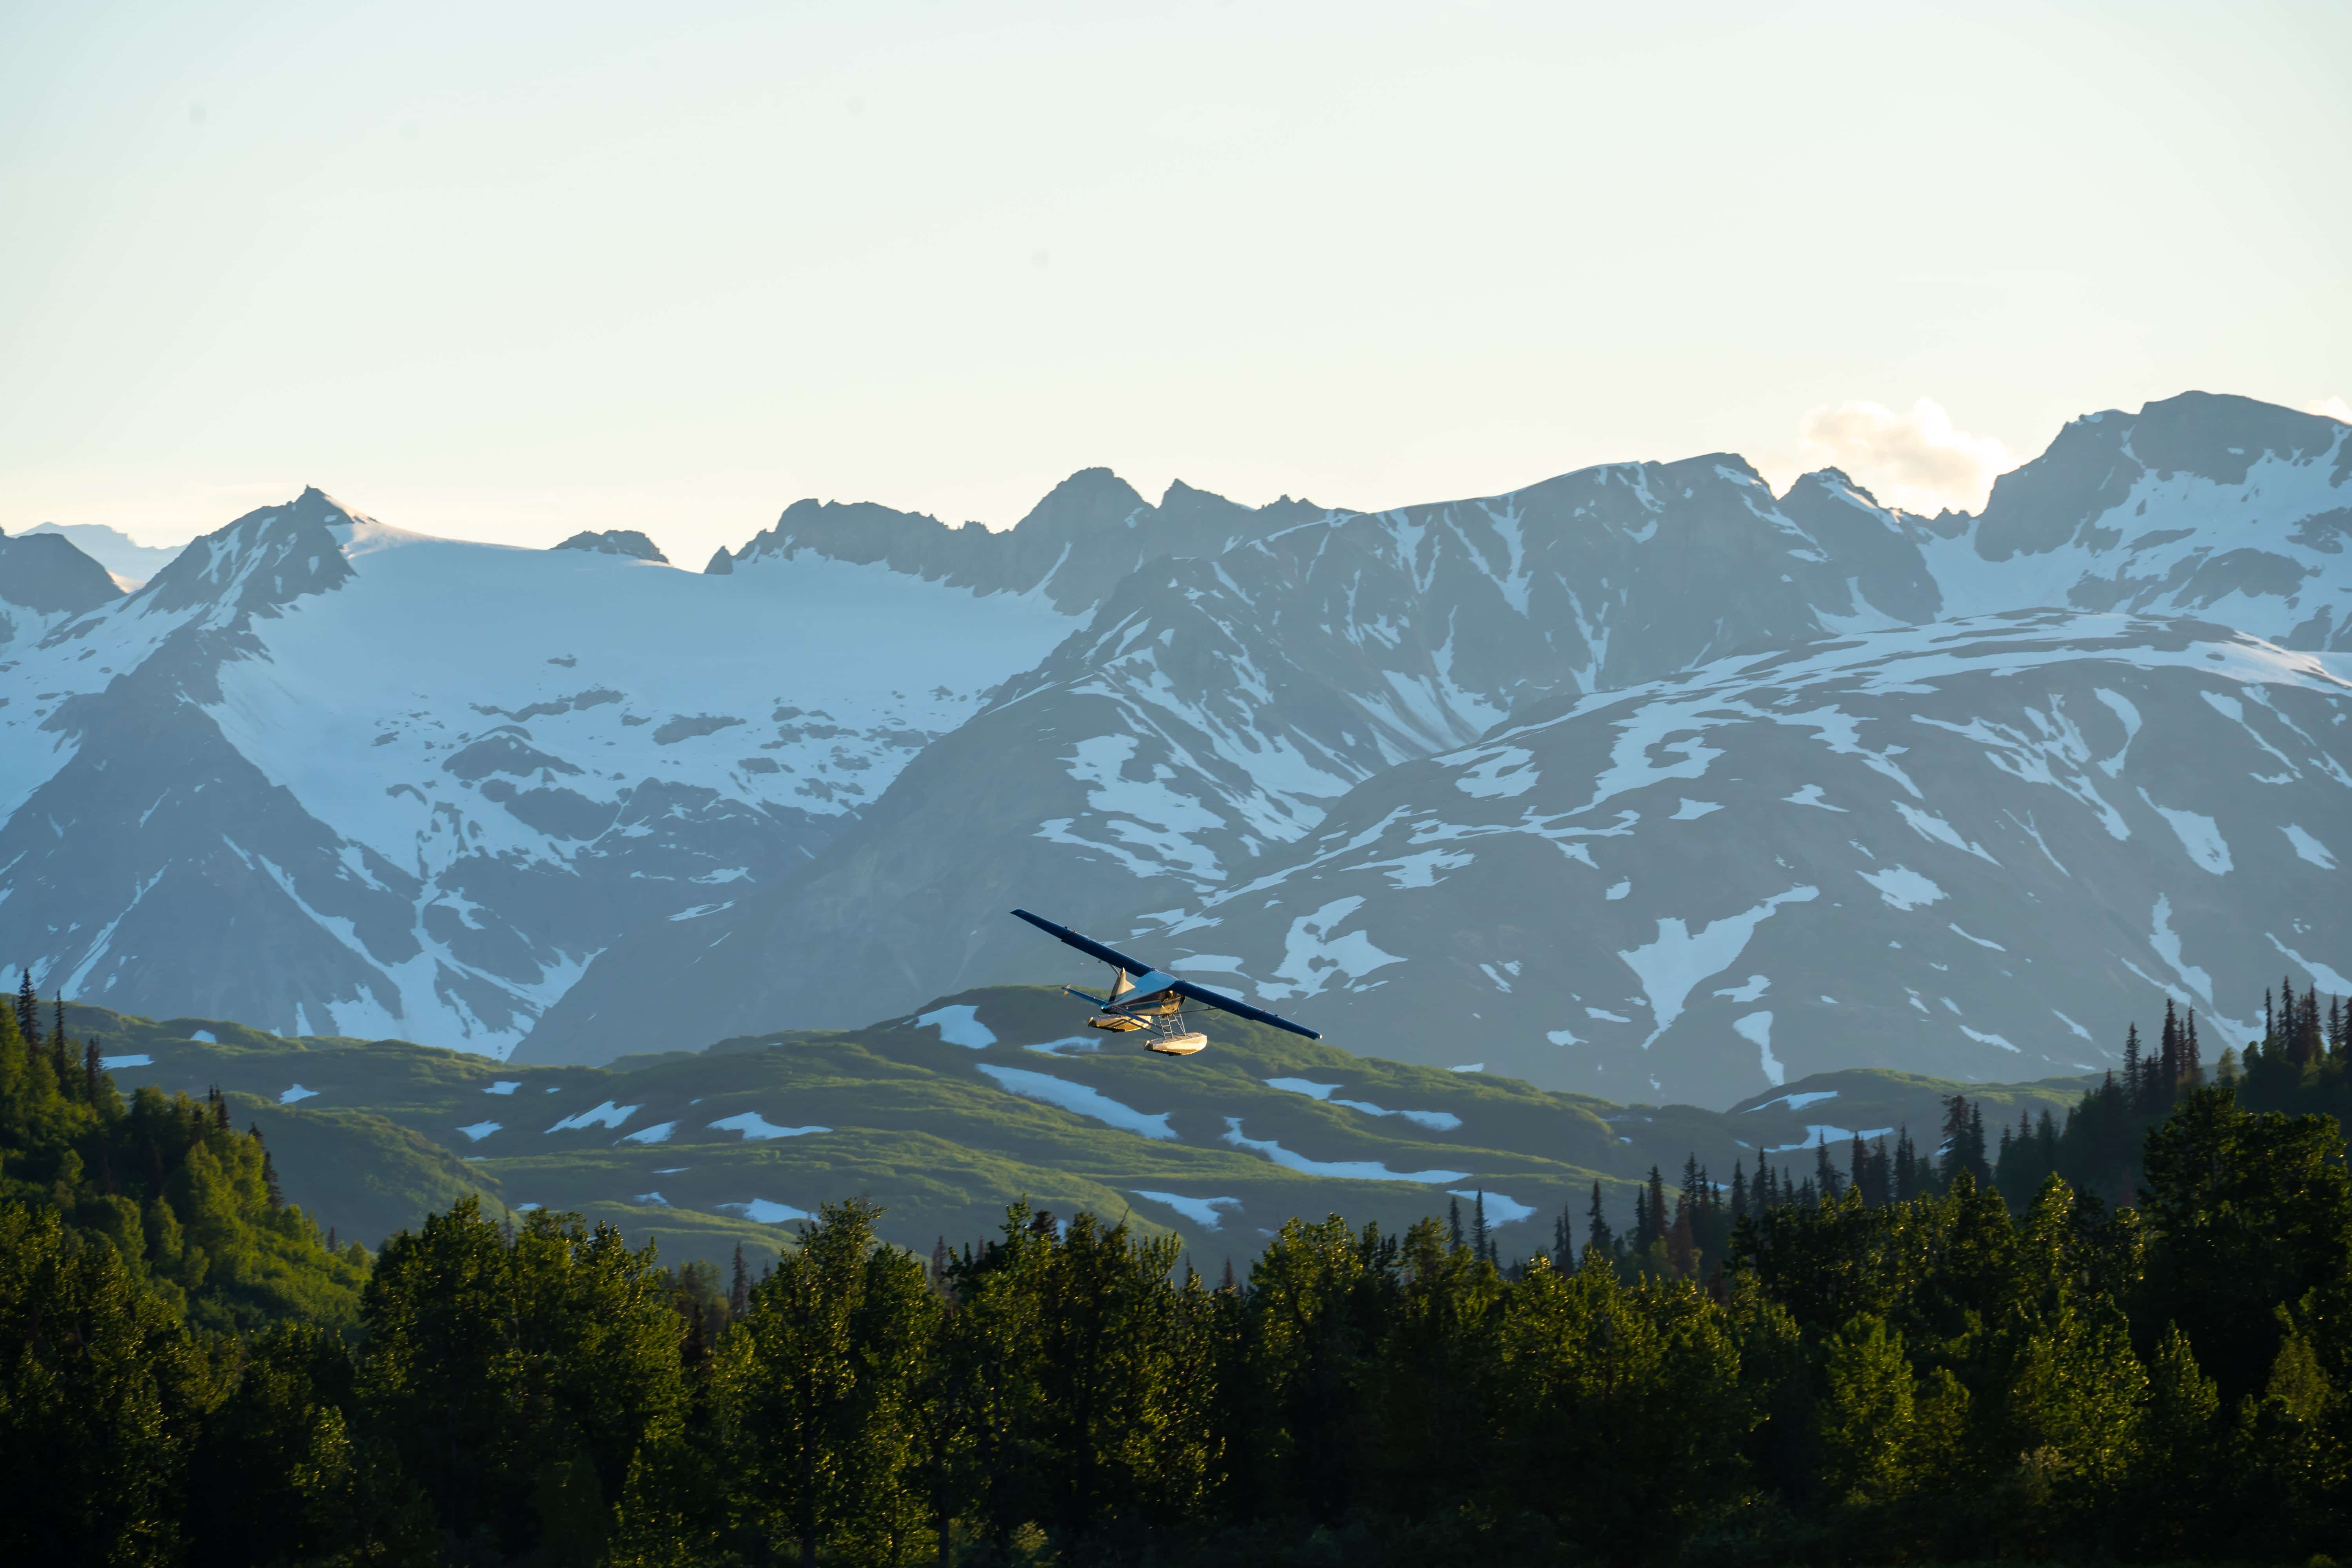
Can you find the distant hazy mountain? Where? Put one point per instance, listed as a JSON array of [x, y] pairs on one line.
[[111, 548], [583, 803], [45, 580]]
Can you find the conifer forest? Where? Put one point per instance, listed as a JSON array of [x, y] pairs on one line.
[[2123, 1337]]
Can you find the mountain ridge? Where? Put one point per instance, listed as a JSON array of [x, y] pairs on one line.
[[560, 802]]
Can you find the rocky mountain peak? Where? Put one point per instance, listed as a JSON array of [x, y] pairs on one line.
[[615, 541], [265, 559], [45, 573]]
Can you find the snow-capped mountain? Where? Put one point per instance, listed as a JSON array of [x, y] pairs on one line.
[[320, 773], [1962, 847], [1190, 741]]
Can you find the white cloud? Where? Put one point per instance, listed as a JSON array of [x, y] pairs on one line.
[[1915, 461], [2332, 407]]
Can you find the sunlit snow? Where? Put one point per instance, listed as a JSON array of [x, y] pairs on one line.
[[1671, 965], [1795, 1101], [1500, 1210], [1902, 887], [1343, 1170], [604, 1115], [1202, 1211], [756, 1128], [2200, 835], [296, 1093], [1079, 1098], [764, 1212], [1756, 1028], [2310, 848], [479, 1130], [959, 1026]]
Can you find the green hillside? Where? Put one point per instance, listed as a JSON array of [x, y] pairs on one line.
[[369, 1136]]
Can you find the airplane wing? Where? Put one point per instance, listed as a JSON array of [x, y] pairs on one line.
[[1200, 993], [1227, 1004], [1085, 944]]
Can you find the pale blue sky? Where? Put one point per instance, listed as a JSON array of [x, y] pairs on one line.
[[502, 271]]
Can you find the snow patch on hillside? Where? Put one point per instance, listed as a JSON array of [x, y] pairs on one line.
[[959, 1026], [1203, 1211], [1080, 1100], [1341, 1170], [1672, 966]]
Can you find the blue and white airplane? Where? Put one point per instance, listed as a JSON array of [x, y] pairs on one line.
[[1151, 1001]]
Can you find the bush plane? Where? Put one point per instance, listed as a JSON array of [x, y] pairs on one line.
[[1151, 1001]]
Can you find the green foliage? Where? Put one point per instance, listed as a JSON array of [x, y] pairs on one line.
[[185, 1202], [1971, 1371], [100, 1393], [516, 1377]]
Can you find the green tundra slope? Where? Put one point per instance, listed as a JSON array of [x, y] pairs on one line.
[[947, 1116]]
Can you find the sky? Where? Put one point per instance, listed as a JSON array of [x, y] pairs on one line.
[[507, 272]]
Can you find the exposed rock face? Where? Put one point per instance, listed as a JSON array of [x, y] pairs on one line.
[[45, 573], [625, 542], [123, 557]]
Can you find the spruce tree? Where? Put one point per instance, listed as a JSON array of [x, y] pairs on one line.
[[61, 1062], [1453, 1225], [739, 1291], [2167, 1064], [1825, 1174], [1905, 1162], [268, 1171], [1482, 1239], [1598, 1236], [1738, 1193], [2132, 1091], [28, 1011], [2192, 1071]]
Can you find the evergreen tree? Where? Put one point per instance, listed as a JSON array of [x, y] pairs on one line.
[[2167, 1070], [28, 1011], [1738, 1193], [1955, 1150], [1482, 1240], [61, 1062], [738, 1290], [1907, 1160], [1453, 1233], [1598, 1237]]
